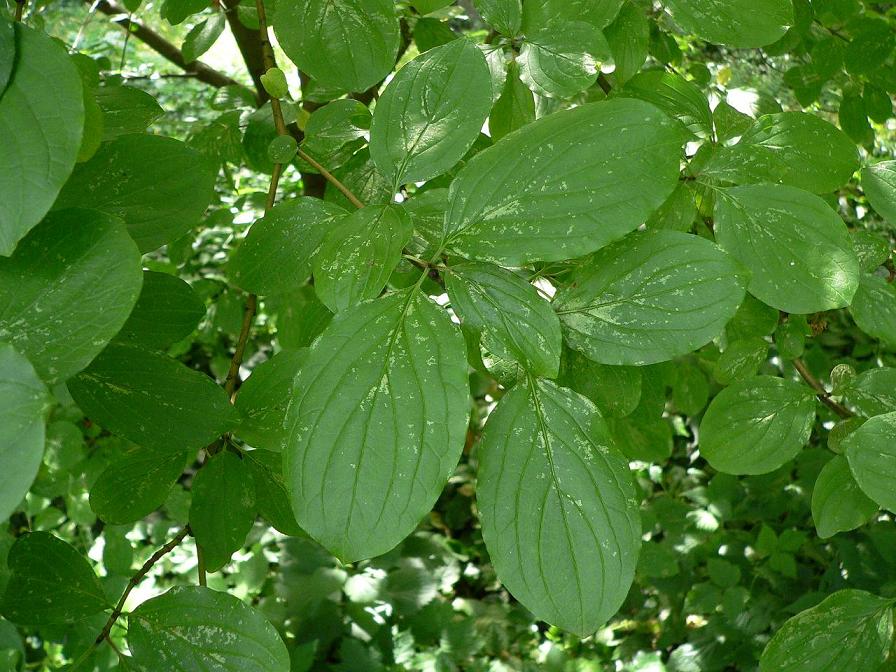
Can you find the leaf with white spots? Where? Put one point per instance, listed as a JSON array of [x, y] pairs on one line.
[[523, 325], [797, 248], [599, 13], [222, 509], [376, 424], [196, 629], [849, 630], [872, 392], [358, 255], [562, 59], [674, 95], [67, 290], [431, 113], [838, 504], [565, 185], [650, 297], [871, 451], [152, 399], [737, 23], [49, 583], [23, 404], [557, 506], [793, 148], [136, 484], [757, 425]]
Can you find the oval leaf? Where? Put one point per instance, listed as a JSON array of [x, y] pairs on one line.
[[562, 59], [838, 504], [879, 183], [264, 397], [737, 23], [558, 508], [377, 424], [871, 451], [637, 302], [166, 311], [757, 425], [565, 185], [874, 308]]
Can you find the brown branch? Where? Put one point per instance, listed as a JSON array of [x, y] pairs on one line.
[[165, 49], [132, 583], [250, 46], [823, 395]]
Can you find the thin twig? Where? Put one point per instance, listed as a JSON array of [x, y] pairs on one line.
[[200, 566], [86, 22], [132, 583], [127, 40], [331, 179], [823, 395], [20, 9]]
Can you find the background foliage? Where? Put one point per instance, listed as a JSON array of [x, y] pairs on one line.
[[766, 503]]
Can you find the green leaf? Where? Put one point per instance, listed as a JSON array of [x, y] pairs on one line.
[[615, 390], [629, 40], [557, 506], [871, 451], [276, 254], [793, 148], [263, 399], [849, 630], [364, 465], [23, 402], [505, 16], [135, 485], [331, 127], [872, 392], [126, 110], [854, 120], [203, 36], [504, 305], [838, 504], [650, 297], [515, 107], [67, 290], [7, 52], [736, 23], [151, 399], [301, 317], [729, 122], [166, 311], [223, 508], [562, 59], [675, 96], [50, 583], [757, 425], [271, 497], [879, 184], [797, 248], [350, 45], [874, 308], [157, 185], [599, 13], [741, 359], [431, 113], [677, 213], [195, 629], [358, 255], [569, 184], [177, 11], [42, 127]]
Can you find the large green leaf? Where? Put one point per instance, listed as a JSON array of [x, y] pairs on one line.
[[650, 297], [874, 308], [871, 451], [50, 582], [737, 23], [838, 504], [849, 630], [563, 58], [67, 290], [757, 425], [565, 185], [879, 183], [358, 255], [8, 51], [505, 16], [674, 95], [797, 248], [23, 402], [431, 113], [558, 508], [126, 110], [222, 509], [377, 423], [629, 40], [505, 306], [350, 44], [157, 185], [872, 392], [41, 122], [264, 397], [794, 148], [195, 629], [599, 13], [276, 254], [166, 311], [151, 399], [136, 484]]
